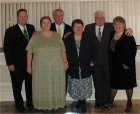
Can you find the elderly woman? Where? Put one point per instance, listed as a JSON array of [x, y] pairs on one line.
[[46, 61], [79, 57], [122, 55]]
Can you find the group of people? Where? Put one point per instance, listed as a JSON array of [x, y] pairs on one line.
[[62, 58]]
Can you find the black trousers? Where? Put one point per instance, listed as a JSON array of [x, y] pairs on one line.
[[17, 78], [101, 80]]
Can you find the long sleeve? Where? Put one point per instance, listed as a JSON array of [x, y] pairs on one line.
[[8, 47]]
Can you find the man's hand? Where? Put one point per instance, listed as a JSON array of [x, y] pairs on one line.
[[91, 64], [125, 67], [67, 34], [11, 68], [128, 32]]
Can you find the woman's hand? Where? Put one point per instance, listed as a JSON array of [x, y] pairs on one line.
[[66, 65], [29, 69]]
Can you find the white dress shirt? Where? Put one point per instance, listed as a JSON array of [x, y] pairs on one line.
[[22, 28], [97, 29]]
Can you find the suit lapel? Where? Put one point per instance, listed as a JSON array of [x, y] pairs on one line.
[[93, 31], [29, 30], [105, 31], [74, 46], [53, 27], [20, 34], [65, 30]]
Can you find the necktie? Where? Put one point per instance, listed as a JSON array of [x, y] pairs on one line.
[[99, 34], [59, 30], [26, 34]]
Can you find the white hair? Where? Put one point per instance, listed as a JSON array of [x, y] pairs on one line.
[[101, 12]]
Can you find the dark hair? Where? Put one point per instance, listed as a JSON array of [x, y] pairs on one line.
[[119, 19], [45, 17], [20, 10], [78, 21], [56, 11]]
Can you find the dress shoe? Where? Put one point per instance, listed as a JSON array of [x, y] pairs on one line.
[[21, 109], [97, 105], [30, 108], [83, 106], [128, 107], [111, 105], [65, 106], [78, 105], [107, 106]]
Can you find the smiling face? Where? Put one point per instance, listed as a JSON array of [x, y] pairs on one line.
[[58, 17], [99, 17], [119, 24], [78, 28], [45, 23], [119, 27]]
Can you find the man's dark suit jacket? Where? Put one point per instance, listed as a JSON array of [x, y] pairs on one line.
[[67, 28], [100, 49], [15, 44], [83, 60]]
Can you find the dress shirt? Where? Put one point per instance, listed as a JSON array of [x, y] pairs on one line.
[[62, 26]]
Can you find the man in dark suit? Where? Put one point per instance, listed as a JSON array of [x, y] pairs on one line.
[[15, 42], [59, 26], [100, 33]]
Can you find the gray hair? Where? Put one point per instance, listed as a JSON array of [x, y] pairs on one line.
[[53, 13], [99, 12]]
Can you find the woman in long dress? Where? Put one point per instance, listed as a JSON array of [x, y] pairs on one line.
[[46, 61]]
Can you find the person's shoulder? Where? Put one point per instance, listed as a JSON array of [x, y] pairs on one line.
[[12, 28], [36, 34], [52, 24], [68, 26], [128, 37], [109, 24], [90, 25]]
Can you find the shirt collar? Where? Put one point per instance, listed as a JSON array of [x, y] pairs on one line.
[[61, 25], [102, 27], [22, 27]]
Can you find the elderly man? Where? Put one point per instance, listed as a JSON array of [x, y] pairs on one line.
[[100, 33]]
